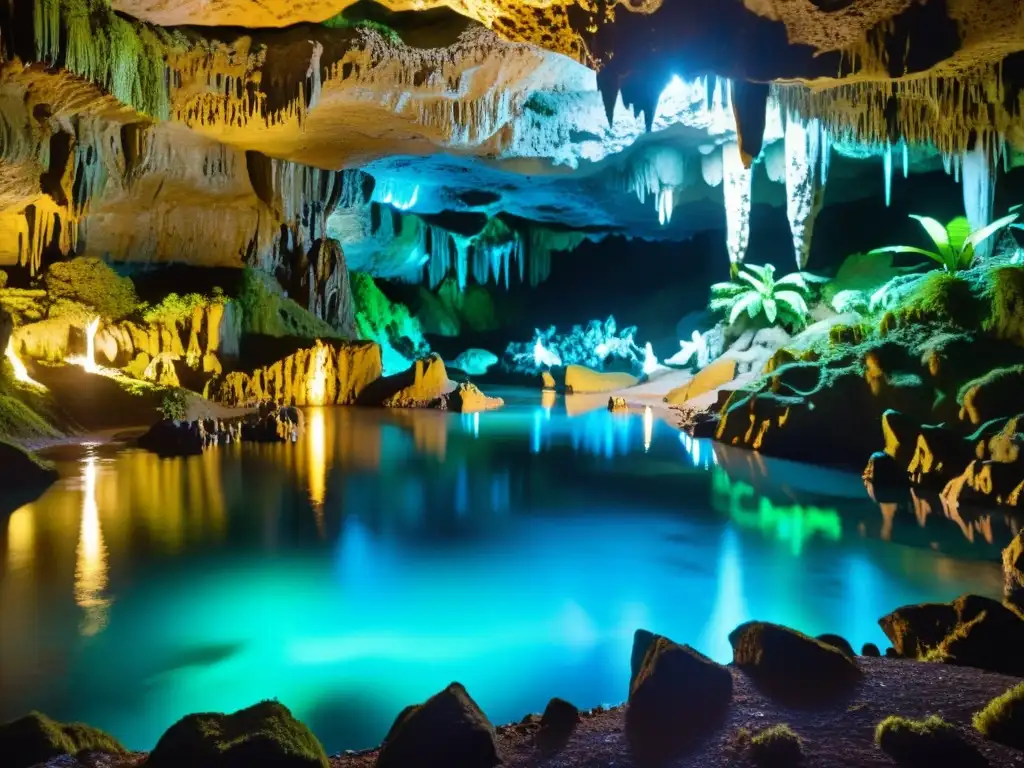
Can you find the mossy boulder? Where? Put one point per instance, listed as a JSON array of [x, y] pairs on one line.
[[36, 738], [987, 636], [914, 630], [260, 736], [448, 729], [1002, 719], [91, 283], [777, 746], [838, 642], [997, 393], [925, 743], [789, 664], [679, 695], [1013, 572], [557, 724], [870, 650]]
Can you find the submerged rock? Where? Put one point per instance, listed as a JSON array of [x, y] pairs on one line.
[[173, 438], [678, 696], [260, 736], [582, 380], [36, 739], [789, 664], [446, 730]]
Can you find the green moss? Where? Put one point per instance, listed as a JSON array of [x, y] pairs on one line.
[[23, 411], [36, 738], [174, 404], [387, 323], [1005, 292], [943, 297], [1002, 719], [341, 21], [175, 310], [92, 283], [263, 735], [24, 305], [927, 742], [267, 311], [777, 745]]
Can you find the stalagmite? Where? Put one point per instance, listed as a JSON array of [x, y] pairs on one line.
[[979, 189], [804, 187], [736, 189]]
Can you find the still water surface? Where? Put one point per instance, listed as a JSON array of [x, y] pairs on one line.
[[390, 552]]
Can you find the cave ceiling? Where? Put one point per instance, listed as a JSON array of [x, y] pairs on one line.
[[202, 129]]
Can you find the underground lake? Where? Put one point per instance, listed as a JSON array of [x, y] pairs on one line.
[[390, 552]]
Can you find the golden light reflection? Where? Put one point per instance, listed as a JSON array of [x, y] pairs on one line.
[[20, 371], [317, 468], [91, 576], [317, 394], [547, 399], [21, 541]]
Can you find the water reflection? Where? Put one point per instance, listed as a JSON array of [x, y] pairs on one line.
[[91, 561], [397, 550]]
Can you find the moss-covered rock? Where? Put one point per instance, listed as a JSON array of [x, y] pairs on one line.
[[997, 393], [988, 636], [1013, 572], [789, 664], [915, 630], [1005, 292], [870, 650], [777, 746], [925, 743], [448, 729], [265, 734], [22, 470], [36, 738], [678, 696], [91, 283], [1002, 719], [839, 643]]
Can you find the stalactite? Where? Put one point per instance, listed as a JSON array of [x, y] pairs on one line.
[[711, 167], [887, 171], [804, 187], [736, 179], [979, 189]]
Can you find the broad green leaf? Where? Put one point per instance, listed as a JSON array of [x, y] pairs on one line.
[[794, 279], [957, 232], [756, 284], [771, 311], [938, 233], [910, 249], [794, 301], [812, 278], [721, 303], [762, 272], [755, 307], [727, 289], [740, 306], [977, 238], [965, 258]]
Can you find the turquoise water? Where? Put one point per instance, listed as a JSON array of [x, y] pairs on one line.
[[389, 553]]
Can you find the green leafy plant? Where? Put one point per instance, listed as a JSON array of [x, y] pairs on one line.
[[756, 292], [174, 405], [955, 243]]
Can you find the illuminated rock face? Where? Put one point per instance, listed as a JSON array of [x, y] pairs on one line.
[[325, 374]]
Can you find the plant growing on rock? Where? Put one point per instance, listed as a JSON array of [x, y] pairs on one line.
[[955, 243], [91, 283], [174, 405], [776, 746], [757, 292]]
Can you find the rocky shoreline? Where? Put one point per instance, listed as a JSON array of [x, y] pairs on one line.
[[949, 688]]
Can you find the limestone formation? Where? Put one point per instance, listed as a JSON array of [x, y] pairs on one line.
[[331, 374], [582, 380]]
